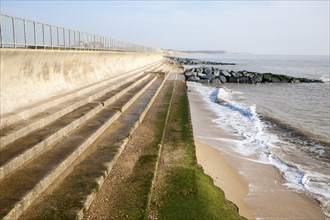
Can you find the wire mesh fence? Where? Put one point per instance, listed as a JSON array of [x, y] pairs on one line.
[[22, 33]]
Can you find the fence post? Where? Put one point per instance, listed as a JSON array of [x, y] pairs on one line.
[[25, 37], [74, 39], [69, 38], [58, 38], [35, 35], [1, 35], [102, 42], [64, 38], [43, 35], [51, 35], [14, 36], [84, 39]]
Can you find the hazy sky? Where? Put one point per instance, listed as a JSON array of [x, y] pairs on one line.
[[260, 27]]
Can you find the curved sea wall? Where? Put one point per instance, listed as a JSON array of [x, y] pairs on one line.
[[31, 76]]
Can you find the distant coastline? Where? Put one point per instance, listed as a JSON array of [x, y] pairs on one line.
[[178, 52], [204, 51]]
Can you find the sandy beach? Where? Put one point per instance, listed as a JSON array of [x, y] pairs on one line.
[[224, 176], [256, 188]]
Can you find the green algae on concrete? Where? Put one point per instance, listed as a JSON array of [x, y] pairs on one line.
[[182, 189]]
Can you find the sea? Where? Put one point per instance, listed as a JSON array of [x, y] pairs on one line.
[[286, 125]]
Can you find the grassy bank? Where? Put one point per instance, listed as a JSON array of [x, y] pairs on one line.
[[182, 189]]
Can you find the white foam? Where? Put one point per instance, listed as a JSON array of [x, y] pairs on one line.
[[325, 78], [224, 96], [236, 117]]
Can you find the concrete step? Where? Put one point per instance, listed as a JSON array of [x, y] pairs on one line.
[[30, 111], [21, 128], [80, 186], [18, 190], [24, 149], [166, 67], [51, 112]]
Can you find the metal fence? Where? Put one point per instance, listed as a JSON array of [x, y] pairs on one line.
[[22, 33]]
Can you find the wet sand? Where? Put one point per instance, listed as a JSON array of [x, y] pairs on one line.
[[256, 188]]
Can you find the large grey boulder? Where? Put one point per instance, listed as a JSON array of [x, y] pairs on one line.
[[204, 81], [193, 78], [209, 76], [225, 73], [233, 79], [316, 81], [244, 72], [250, 74], [266, 78], [215, 81], [223, 79], [237, 74], [256, 79], [275, 80], [216, 72], [201, 75], [199, 70], [244, 79], [208, 70], [190, 73]]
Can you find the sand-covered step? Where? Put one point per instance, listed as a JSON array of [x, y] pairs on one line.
[[74, 195], [18, 190], [20, 128], [123, 103], [22, 150], [29, 111], [164, 68]]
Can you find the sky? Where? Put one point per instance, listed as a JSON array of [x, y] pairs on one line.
[[257, 27]]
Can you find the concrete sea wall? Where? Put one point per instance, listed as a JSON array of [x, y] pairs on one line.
[[31, 76]]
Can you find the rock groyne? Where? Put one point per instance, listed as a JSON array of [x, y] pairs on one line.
[[214, 75], [187, 61]]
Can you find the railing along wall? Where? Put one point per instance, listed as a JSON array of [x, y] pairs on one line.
[[22, 33]]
